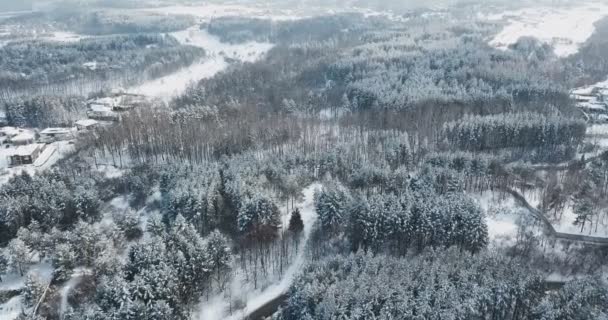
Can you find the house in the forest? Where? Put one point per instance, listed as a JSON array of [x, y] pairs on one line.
[[26, 154], [56, 134], [86, 124], [24, 137]]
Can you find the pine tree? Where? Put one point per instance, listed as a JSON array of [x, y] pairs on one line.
[[18, 255], [33, 290], [219, 255], [3, 266], [64, 261], [155, 225], [128, 223], [296, 225]]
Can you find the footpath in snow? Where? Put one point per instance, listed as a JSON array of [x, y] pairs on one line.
[[217, 308]]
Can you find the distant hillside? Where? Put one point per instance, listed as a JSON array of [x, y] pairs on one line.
[[20, 5]]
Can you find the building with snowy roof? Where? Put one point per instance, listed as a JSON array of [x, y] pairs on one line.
[[86, 124], [56, 134], [9, 132], [24, 137], [25, 154]]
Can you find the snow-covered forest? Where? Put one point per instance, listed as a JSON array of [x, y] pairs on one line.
[[309, 159]]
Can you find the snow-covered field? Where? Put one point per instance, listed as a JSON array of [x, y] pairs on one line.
[[217, 308], [503, 217], [566, 28], [217, 54]]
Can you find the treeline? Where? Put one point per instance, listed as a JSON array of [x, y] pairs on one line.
[[315, 29], [108, 22], [413, 216], [514, 130], [100, 21], [160, 136], [26, 65], [437, 285], [45, 111]]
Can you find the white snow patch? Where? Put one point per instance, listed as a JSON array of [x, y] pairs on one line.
[[503, 217], [11, 309], [63, 36], [110, 171], [566, 28], [13, 281]]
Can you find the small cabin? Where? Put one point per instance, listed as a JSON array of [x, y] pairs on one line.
[[23, 138], [56, 134], [24, 155], [86, 124]]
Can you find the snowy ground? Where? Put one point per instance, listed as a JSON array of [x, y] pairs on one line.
[[217, 54], [599, 228], [564, 222], [588, 89], [503, 217], [217, 307], [11, 309], [566, 28]]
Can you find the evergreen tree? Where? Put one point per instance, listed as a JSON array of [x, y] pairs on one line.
[[64, 261], [296, 225], [18, 255]]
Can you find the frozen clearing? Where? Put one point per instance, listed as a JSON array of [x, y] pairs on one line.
[[216, 308], [217, 54], [503, 218], [566, 28]]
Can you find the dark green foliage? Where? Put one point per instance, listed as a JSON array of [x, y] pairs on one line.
[[52, 199], [45, 111], [296, 225], [434, 285], [413, 219], [514, 130], [581, 299]]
